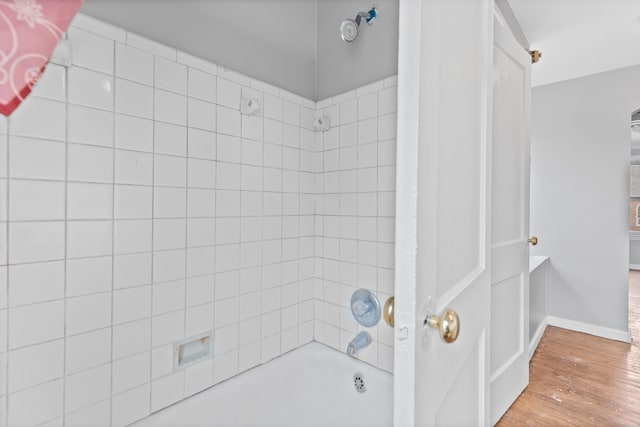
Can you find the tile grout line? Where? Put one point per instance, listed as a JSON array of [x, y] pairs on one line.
[[66, 242], [8, 276], [259, 314], [321, 191], [376, 290], [113, 233], [318, 237], [357, 165], [240, 191], [153, 228], [281, 261], [298, 281], [186, 229], [214, 274]]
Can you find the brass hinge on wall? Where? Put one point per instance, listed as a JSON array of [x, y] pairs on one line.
[[535, 55]]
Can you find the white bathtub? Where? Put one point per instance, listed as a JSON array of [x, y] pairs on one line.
[[308, 387]]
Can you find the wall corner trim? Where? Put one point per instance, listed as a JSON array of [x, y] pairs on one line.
[[535, 341], [587, 328]]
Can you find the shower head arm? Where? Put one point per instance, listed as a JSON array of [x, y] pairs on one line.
[[368, 16], [359, 17]]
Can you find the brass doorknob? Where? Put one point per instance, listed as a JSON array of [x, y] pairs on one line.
[[448, 325], [533, 240], [388, 311]]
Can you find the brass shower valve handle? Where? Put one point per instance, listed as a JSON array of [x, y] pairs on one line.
[[388, 311]]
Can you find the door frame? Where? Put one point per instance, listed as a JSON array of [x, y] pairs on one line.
[[409, 132], [406, 236]]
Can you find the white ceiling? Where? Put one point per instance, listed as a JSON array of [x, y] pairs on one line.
[[264, 39], [190, 25], [292, 44], [579, 37], [576, 37]]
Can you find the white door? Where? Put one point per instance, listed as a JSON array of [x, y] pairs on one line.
[[510, 222], [443, 218]]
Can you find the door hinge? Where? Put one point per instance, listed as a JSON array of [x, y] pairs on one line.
[[535, 55]]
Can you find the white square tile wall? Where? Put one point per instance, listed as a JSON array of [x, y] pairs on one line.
[[138, 206], [4, 271], [355, 204]]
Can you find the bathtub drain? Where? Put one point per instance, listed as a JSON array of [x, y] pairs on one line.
[[358, 382]]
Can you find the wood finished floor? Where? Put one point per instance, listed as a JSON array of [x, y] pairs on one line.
[[581, 380]]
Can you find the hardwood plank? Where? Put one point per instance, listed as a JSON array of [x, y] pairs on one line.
[[578, 379]]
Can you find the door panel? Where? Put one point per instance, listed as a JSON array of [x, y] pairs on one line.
[[453, 163], [509, 179], [458, 394], [508, 260], [506, 322], [510, 223], [465, 388], [443, 211]]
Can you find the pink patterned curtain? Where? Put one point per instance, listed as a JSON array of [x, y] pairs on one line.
[[29, 31]]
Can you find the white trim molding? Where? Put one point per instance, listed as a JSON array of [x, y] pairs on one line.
[[587, 328], [535, 341], [634, 266]]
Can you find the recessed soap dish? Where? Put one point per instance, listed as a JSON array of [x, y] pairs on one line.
[[192, 350]]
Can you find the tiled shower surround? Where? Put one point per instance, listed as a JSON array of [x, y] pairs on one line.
[[138, 206]]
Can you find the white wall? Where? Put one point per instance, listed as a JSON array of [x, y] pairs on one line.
[[355, 225], [294, 44], [579, 195], [634, 253], [274, 41], [4, 166], [138, 206], [341, 66]]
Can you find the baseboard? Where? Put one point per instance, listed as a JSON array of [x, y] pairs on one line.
[[587, 328], [533, 344], [634, 266]]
